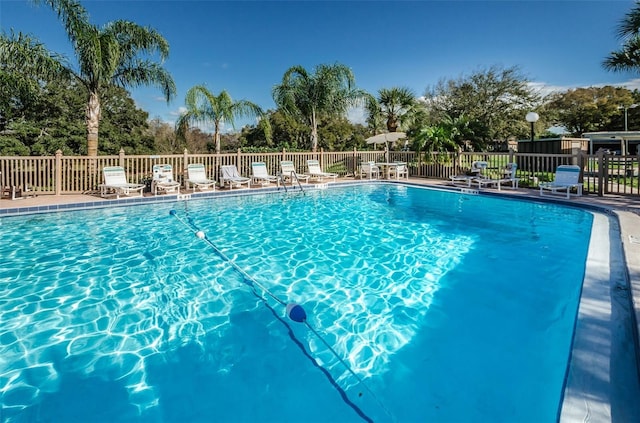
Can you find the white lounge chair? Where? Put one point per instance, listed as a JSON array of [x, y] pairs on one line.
[[565, 179], [115, 182], [197, 176], [163, 180], [288, 169], [315, 172], [260, 175], [475, 174], [508, 176], [370, 170], [231, 177]]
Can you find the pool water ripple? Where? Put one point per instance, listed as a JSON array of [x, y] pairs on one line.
[[129, 295]]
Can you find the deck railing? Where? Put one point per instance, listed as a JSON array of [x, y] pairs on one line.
[[601, 173]]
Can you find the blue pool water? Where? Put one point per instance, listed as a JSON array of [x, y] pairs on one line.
[[445, 307]]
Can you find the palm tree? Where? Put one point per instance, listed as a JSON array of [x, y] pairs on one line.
[[310, 96], [205, 107], [396, 105], [628, 58], [110, 55], [24, 61], [437, 138]]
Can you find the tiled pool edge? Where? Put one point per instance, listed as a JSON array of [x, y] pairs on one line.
[[99, 203]]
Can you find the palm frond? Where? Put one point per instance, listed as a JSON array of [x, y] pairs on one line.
[[626, 59], [146, 73], [73, 15], [134, 39]]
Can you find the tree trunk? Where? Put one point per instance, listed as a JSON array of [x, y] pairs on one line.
[[314, 132], [392, 125], [93, 123], [216, 136]]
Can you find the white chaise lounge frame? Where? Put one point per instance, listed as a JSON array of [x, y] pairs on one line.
[[197, 176], [230, 176], [315, 172], [115, 182], [566, 178]]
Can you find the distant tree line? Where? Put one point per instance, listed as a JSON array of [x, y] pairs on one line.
[[48, 104]]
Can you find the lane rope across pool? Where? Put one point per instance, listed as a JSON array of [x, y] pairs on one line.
[[294, 311]]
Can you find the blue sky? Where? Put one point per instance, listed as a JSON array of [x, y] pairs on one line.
[[245, 47]]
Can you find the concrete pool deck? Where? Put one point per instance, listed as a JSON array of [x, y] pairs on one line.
[[602, 382]]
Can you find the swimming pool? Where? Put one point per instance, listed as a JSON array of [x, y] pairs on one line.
[[446, 307]]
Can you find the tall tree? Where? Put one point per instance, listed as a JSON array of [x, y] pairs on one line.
[[589, 109], [114, 54], [205, 107], [327, 92], [52, 119], [494, 101], [628, 57]]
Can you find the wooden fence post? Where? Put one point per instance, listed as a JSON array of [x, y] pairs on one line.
[[185, 170], [354, 165], [58, 172], [601, 170], [456, 161], [121, 158]]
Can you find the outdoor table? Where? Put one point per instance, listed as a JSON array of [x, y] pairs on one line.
[[386, 168]]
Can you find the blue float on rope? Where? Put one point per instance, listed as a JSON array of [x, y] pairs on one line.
[[296, 312]]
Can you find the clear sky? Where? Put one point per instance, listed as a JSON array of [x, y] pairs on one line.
[[245, 47]]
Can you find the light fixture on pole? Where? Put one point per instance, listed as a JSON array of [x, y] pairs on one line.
[[625, 114], [532, 117]]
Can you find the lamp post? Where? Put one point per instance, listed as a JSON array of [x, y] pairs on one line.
[[532, 117], [625, 114]]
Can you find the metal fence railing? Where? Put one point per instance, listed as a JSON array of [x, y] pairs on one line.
[[601, 173]]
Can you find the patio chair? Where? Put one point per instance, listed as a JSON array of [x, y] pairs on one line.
[[197, 176], [475, 174], [400, 170], [315, 172], [260, 175], [565, 179], [509, 176], [370, 170], [115, 182], [288, 170], [11, 192], [231, 177], [163, 180]]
